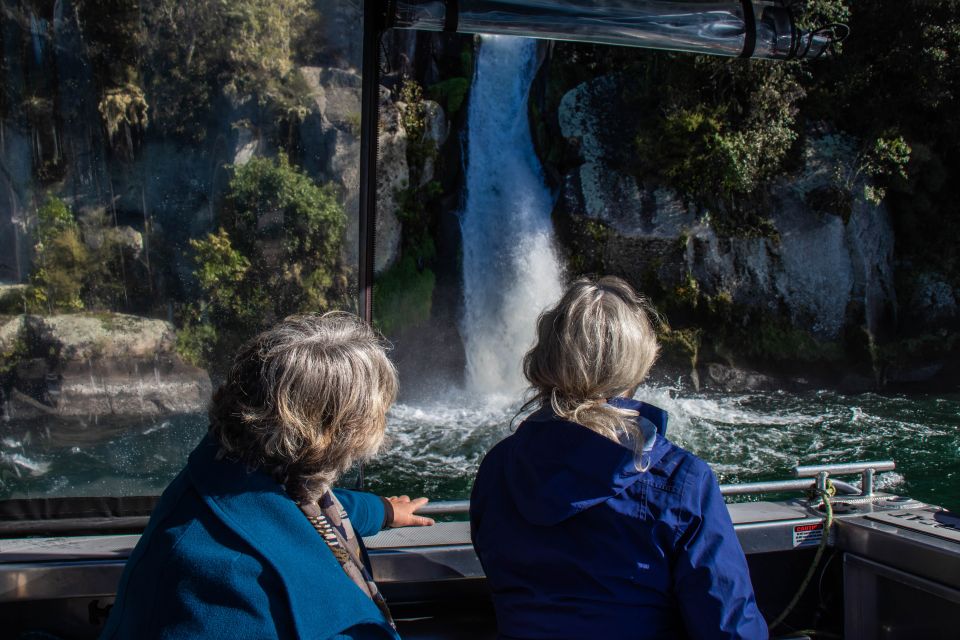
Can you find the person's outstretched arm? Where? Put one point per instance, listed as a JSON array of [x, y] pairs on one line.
[[370, 513], [711, 579]]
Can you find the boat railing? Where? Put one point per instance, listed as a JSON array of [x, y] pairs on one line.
[[806, 478]]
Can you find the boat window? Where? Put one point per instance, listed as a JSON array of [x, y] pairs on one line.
[[173, 178], [177, 176], [507, 165]]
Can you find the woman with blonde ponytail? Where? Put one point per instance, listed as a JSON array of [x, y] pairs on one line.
[[589, 523]]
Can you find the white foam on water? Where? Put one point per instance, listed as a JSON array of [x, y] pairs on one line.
[[19, 463], [166, 424]]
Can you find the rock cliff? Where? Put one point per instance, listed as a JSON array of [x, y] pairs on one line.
[[823, 272], [96, 366]]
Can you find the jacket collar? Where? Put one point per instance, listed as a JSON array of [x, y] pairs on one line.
[[556, 469], [256, 507]]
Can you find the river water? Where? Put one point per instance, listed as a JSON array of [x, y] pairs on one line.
[[435, 447], [745, 437]]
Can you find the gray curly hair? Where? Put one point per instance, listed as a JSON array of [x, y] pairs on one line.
[[598, 342], [305, 400]]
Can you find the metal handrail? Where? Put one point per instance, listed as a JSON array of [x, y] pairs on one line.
[[444, 507], [774, 486], [807, 478], [811, 471], [865, 469]]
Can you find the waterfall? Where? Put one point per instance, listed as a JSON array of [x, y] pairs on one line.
[[38, 31], [510, 267]]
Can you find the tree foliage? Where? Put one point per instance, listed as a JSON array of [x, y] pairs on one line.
[[200, 53], [76, 267], [61, 261], [277, 252]]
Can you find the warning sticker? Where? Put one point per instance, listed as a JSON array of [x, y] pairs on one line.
[[807, 535]]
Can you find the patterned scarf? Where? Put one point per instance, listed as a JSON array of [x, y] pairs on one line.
[[331, 521]]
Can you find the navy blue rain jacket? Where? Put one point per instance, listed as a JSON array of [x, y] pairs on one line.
[[578, 542], [227, 554]]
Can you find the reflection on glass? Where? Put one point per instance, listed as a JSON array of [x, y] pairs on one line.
[[175, 177], [697, 26]]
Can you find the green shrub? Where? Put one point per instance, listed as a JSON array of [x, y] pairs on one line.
[[451, 93], [277, 252], [61, 262], [221, 271], [277, 216], [196, 341]]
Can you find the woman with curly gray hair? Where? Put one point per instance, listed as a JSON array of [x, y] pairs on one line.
[[251, 540]]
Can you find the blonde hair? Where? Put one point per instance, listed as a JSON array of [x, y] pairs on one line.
[[306, 399], [597, 343]]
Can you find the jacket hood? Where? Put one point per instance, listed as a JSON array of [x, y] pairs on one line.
[[557, 468]]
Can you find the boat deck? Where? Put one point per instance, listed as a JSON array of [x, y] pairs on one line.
[[435, 585]]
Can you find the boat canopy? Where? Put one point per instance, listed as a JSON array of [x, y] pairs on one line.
[[739, 28]]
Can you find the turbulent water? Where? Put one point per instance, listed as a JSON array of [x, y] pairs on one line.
[[435, 447], [756, 436], [510, 269]]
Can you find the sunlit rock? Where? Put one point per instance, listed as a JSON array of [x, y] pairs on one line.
[[125, 238], [10, 334], [98, 365], [247, 146], [435, 134], [330, 137], [823, 270], [107, 335]]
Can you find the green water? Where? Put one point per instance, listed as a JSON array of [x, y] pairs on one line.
[[435, 447], [745, 437]]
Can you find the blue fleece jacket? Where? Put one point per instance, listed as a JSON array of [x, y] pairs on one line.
[[581, 538], [228, 555]]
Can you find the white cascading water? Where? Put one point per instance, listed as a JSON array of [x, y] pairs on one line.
[[510, 267]]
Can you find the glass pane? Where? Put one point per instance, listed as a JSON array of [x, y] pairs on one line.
[[175, 177], [768, 210]]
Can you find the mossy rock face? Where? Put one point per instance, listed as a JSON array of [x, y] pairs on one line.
[[85, 336], [931, 360], [452, 93], [403, 297], [680, 348], [777, 341], [12, 296], [13, 348]]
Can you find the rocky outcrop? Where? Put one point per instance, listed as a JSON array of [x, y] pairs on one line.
[[818, 270], [330, 136], [100, 336], [341, 32], [733, 380], [933, 302], [97, 365]]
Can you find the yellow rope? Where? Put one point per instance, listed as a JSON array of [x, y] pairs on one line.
[[827, 523]]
